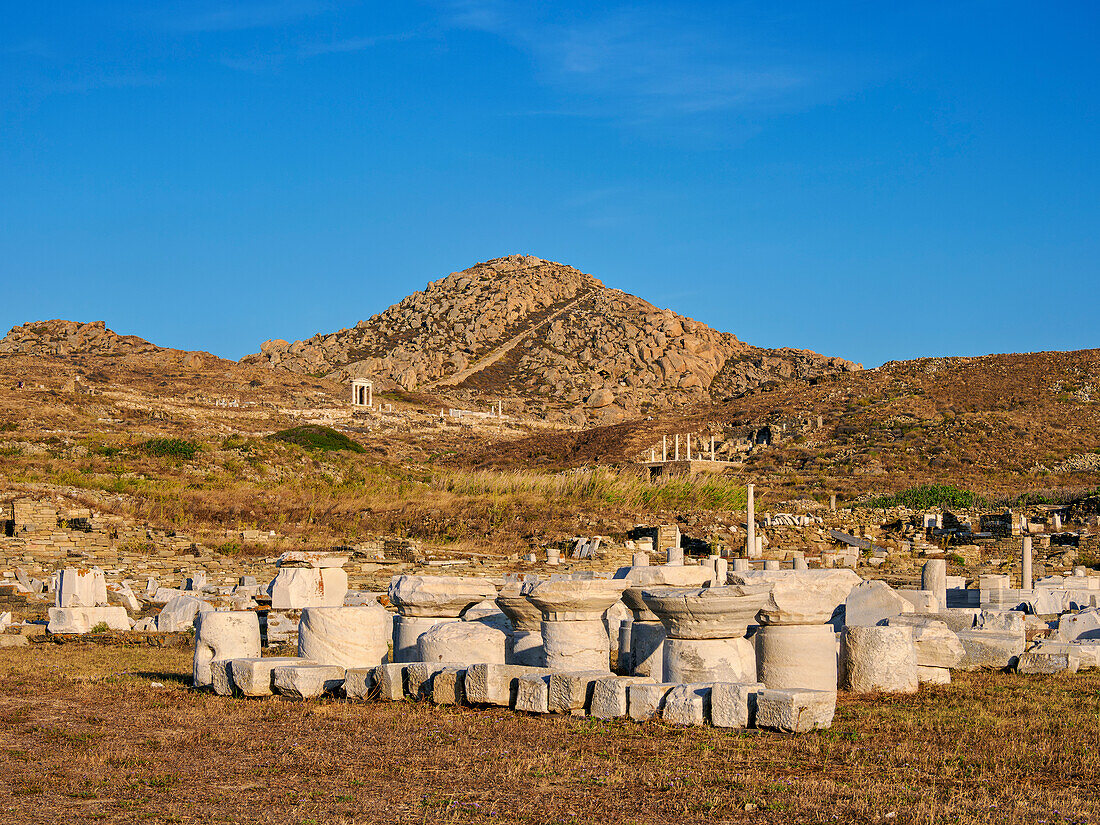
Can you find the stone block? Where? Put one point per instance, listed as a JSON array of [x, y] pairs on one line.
[[990, 649], [923, 601], [879, 659], [935, 643], [733, 705], [308, 681], [1087, 652], [465, 643], [81, 587], [933, 675], [180, 612], [83, 619], [533, 694], [449, 686], [871, 602], [1036, 662], [609, 695], [223, 635], [221, 679], [644, 700], [1078, 626], [800, 597], [254, 676], [571, 692], [296, 588], [390, 681], [687, 705], [280, 627], [795, 711], [1006, 621], [359, 683], [351, 637], [419, 677], [494, 684]]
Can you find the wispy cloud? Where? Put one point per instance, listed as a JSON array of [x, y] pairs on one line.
[[647, 62]]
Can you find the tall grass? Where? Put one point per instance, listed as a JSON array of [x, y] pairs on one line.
[[608, 486]]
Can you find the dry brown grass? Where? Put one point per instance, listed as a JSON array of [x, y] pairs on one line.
[[85, 737]]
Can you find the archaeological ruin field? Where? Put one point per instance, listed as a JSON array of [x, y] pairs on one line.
[[525, 548]]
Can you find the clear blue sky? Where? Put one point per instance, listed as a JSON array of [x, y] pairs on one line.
[[873, 180]]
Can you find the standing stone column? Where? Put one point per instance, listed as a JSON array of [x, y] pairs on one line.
[[706, 631], [574, 636], [424, 602], [1027, 582], [795, 648], [526, 622], [933, 577], [647, 634], [750, 542]]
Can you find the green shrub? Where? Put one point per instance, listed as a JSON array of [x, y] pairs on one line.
[[170, 448], [316, 437], [100, 627], [927, 496]]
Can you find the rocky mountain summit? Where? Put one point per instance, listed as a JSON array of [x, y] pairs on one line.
[[547, 333], [61, 338]]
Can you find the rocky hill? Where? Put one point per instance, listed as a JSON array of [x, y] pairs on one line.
[[522, 327], [64, 338]]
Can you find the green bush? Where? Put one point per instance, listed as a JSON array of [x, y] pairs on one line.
[[316, 437], [927, 496], [170, 448], [100, 627]]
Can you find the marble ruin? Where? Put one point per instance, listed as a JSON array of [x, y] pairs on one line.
[[748, 638]]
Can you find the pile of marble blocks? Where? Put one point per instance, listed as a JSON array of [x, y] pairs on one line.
[[80, 603]]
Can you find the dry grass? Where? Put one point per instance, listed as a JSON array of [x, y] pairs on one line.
[[85, 737], [284, 488]]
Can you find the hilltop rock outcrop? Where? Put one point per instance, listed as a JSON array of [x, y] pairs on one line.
[[524, 327]]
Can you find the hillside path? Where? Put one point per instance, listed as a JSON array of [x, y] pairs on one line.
[[509, 345]]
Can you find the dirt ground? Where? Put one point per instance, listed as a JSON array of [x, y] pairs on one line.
[[114, 734]]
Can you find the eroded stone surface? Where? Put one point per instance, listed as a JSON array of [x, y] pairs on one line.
[[438, 596], [687, 705], [871, 602], [609, 695], [709, 660], [295, 588], [644, 701], [795, 711], [708, 612], [572, 692], [797, 656], [880, 659], [733, 704], [990, 649], [351, 637], [463, 643], [800, 597], [307, 681], [224, 635], [489, 684], [254, 676]]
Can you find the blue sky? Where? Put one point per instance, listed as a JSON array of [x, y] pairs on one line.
[[873, 180]]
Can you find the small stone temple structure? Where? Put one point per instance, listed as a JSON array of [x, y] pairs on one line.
[[362, 392]]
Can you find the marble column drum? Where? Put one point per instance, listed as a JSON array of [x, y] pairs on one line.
[[706, 631], [574, 636]]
